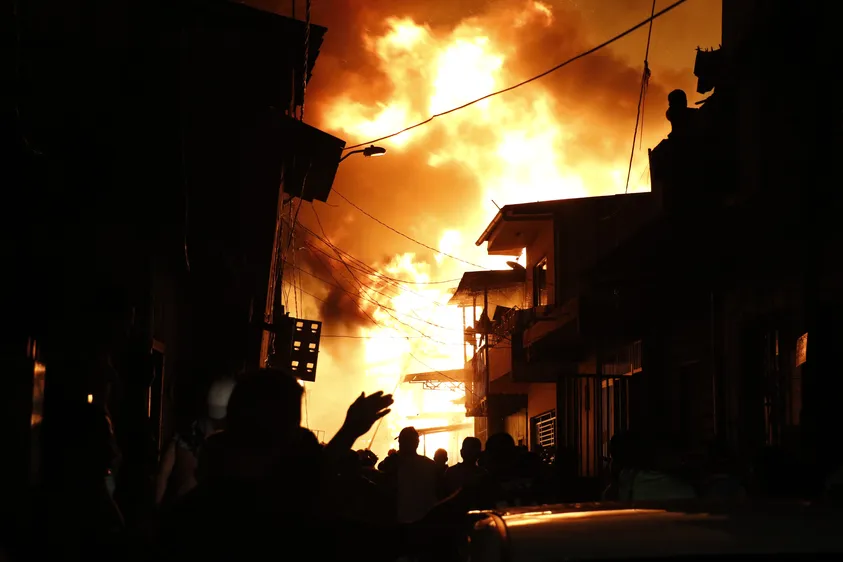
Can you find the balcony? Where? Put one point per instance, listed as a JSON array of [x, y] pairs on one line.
[[490, 384], [553, 341]]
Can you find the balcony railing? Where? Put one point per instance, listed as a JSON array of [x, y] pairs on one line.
[[626, 361]]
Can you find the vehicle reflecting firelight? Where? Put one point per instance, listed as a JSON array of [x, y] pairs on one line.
[[536, 517]]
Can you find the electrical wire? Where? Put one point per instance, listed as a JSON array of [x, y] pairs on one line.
[[368, 270], [349, 336], [645, 79], [374, 301], [408, 237], [422, 335], [397, 288], [361, 286], [319, 222], [527, 81], [371, 272], [363, 267]]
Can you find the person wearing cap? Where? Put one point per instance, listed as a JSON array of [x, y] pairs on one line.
[[182, 454]]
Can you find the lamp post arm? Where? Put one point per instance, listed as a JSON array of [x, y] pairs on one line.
[[347, 154]]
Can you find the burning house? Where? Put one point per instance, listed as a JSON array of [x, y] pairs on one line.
[[546, 368], [683, 313]]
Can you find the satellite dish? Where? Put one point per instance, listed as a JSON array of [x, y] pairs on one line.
[[516, 266]]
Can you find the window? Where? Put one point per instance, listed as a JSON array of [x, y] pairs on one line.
[[540, 283], [544, 430]]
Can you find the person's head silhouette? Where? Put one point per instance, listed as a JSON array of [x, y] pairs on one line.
[[471, 449], [408, 440]]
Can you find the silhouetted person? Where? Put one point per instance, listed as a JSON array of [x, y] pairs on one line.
[[80, 519], [367, 458], [415, 479], [177, 470], [368, 464], [681, 116], [266, 475], [440, 457], [467, 471], [511, 475]]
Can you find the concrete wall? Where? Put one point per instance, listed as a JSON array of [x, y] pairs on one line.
[[517, 427], [541, 397]]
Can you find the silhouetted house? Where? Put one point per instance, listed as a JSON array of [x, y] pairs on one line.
[[491, 301], [148, 154], [548, 369], [723, 288]]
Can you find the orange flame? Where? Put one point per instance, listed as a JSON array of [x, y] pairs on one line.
[[520, 147]]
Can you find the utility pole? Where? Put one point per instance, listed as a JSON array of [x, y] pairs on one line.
[[274, 311], [486, 321]]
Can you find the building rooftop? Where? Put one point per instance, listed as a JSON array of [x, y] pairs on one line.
[[515, 226], [475, 283]]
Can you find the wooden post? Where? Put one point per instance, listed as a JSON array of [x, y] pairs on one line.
[[486, 339]]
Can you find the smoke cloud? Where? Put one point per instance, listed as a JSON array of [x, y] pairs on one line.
[[443, 177]]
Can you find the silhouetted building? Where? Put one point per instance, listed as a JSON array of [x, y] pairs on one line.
[[148, 145], [723, 288], [544, 370]]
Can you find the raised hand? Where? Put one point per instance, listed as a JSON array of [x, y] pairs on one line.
[[365, 411]]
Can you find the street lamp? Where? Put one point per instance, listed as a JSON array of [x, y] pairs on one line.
[[367, 152]]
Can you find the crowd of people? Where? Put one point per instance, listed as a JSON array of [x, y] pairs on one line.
[[249, 481]]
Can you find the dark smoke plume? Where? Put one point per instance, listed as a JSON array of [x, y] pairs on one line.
[[594, 98]]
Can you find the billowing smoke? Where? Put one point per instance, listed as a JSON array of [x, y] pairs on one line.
[[386, 65]]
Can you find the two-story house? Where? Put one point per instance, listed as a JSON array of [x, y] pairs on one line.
[[548, 369]]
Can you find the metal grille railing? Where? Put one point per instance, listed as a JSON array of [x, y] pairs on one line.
[[545, 428]]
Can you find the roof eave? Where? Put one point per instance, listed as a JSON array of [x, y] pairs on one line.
[[490, 229]]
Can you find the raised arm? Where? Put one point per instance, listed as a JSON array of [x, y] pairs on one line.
[[361, 416]]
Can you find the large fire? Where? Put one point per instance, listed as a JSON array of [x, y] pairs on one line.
[[520, 147]]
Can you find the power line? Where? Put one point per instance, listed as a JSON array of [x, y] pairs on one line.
[[529, 80], [409, 353], [339, 253], [345, 336], [365, 268], [645, 79], [369, 270], [369, 316], [408, 237], [372, 300], [369, 287]]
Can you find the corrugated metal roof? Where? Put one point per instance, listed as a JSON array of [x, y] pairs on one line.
[[474, 283], [454, 375]]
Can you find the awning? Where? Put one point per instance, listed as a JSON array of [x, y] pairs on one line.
[[474, 283], [446, 428], [455, 375]]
